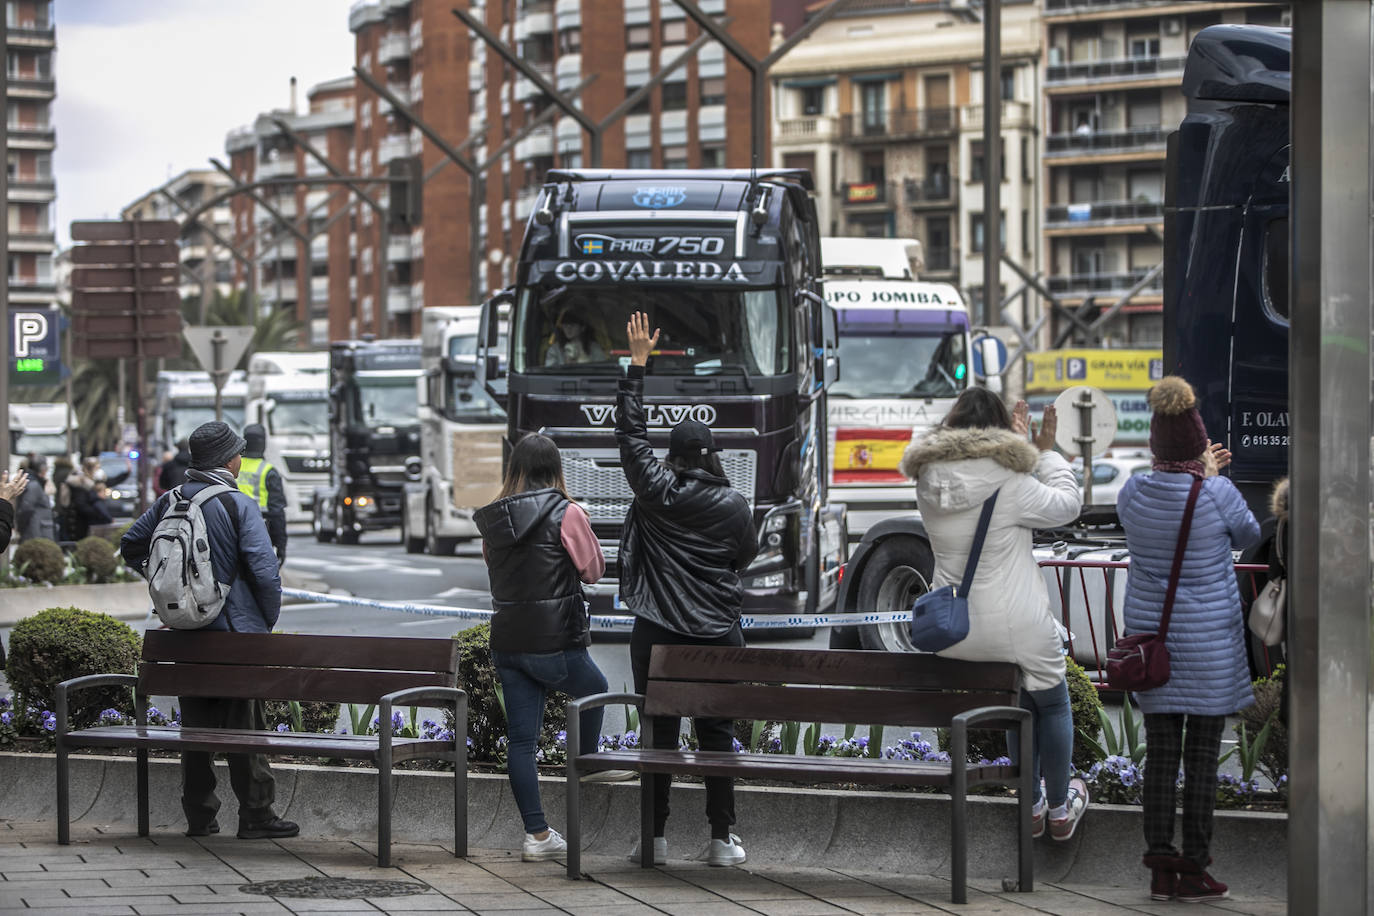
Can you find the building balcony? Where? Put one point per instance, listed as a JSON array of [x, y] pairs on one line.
[[1106, 142], [526, 89], [1074, 7], [1014, 115], [880, 195], [1113, 71], [538, 143], [524, 202], [398, 301], [31, 136], [899, 124], [567, 14], [534, 17], [364, 12], [1103, 284], [400, 90], [319, 249], [281, 167], [935, 191], [1122, 213], [30, 87], [352, 287], [392, 147], [394, 46], [810, 129], [36, 190], [398, 249], [31, 36], [940, 261], [319, 289]]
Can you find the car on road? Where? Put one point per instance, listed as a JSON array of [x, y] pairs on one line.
[[1110, 475], [121, 478]]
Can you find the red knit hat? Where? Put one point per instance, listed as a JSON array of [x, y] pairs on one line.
[[1176, 430]]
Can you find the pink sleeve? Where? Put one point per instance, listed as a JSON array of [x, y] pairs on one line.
[[581, 544]]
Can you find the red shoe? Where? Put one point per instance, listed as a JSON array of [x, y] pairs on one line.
[[1199, 886], [1163, 876]]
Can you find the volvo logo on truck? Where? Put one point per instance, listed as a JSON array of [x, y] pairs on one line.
[[655, 414]]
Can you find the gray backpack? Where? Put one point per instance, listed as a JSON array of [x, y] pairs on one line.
[[181, 578]]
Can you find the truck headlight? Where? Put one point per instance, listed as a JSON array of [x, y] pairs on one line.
[[777, 538]]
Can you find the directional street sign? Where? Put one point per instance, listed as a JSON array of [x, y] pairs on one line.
[[125, 295]]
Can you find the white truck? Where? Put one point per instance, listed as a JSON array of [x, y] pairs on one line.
[[185, 400], [38, 428], [288, 394], [461, 431], [904, 353]]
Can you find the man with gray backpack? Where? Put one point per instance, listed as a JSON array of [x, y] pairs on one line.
[[210, 565]]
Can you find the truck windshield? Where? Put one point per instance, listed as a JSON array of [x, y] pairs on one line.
[[184, 420], [705, 330], [307, 417], [38, 443], [388, 401], [901, 366]]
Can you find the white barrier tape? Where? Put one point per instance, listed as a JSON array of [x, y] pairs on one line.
[[607, 623]]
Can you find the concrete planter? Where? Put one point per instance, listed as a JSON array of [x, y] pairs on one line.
[[125, 600], [851, 830]]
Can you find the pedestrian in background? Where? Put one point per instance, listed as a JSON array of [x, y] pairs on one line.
[[33, 513], [1209, 678], [687, 536], [241, 554], [979, 451], [539, 548], [172, 473], [79, 504], [261, 481]]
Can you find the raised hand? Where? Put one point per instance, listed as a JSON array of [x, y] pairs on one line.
[[1020, 419], [12, 487], [1049, 425], [1220, 454], [641, 343]]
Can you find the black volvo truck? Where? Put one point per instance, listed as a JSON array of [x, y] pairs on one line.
[[374, 437], [727, 264]]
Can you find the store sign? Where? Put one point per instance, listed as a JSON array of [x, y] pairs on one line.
[[1110, 370], [35, 356]]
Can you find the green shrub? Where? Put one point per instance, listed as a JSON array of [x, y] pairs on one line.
[[1085, 701], [315, 716], [67, 642], [1273, 762], [97, 558], [40, 560], [486, 719]]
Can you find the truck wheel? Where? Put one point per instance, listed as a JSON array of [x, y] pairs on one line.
[[894, 577], [437, 546], [412, 544], [344, 534], [324, 533]]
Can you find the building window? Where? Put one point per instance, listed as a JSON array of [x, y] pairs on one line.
[[976, 157], [570, 41], [1145, 47], [713, 157], [873, 101], [572, 160], [675, 157], [873, 167], [1026, 174], [978, 232], [1008, 83], [638, 37], [713, 91], [813, 100], [675, 32], [639, 159], [1025, 232], [642, 106], [674, 96]]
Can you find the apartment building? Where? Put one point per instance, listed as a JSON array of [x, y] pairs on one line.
[[32, 190], [299, 236], [1112, 96], [883, 104], [203, 259]]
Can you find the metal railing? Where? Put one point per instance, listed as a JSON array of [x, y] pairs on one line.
[[1101, 282], [1118, 211], [1124, 68], [899, 124], [940, 260], [1065, 7], [939, 189], [1102, 141]]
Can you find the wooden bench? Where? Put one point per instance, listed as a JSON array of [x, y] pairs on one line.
[[872, 688], [262, 666]]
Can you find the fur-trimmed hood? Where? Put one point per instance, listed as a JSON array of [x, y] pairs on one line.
[[942, 444], [1278, 500]]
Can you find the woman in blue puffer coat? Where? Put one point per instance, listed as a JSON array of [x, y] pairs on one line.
[[1209, 678]]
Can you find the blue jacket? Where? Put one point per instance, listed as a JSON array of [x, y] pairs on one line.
[[254, 601], [1209, 674]]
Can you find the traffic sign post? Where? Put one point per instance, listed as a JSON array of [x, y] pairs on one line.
[[218, 350], [1096, 428]]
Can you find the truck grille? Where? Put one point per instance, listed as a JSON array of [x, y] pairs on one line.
[[595, 480]]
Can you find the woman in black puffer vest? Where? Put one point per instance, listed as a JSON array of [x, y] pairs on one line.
[[539, 549]]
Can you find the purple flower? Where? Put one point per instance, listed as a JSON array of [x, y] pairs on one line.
[[5, 703], [283, 727], [153, 712], [6, 717], [49, 723], [738, 748]]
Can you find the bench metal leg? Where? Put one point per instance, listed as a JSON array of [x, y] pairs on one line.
[[64, 827], [574, 801], [460, 803], [646, 819], [142, 791], [958, 814], [384, 806], [1026, 877]]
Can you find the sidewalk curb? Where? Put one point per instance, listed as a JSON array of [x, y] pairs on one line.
[[847, 830]]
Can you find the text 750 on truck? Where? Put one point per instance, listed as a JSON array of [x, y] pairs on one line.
[[726, 263]]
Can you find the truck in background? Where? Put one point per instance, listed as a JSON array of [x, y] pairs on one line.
[[39, 428], [461, 430], [288, 394], [904, 346], [186, 399], [374, 438], [727, 263]]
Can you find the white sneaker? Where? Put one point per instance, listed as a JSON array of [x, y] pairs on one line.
[[1062, 828], [660, 851], [725, 852], [551, 847]]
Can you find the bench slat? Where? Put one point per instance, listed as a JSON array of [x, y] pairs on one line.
[[373, 653], [864, 705], [236, 741], [243, 682], [830, 666], [791, 767]]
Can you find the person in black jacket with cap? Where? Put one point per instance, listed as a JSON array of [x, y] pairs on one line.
[[687, 536]]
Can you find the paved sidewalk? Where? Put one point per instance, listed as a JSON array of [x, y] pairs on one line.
[[112, 871]]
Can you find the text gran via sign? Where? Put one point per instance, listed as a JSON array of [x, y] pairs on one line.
[[1110, 370]]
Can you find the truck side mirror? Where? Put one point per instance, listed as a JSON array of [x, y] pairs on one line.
[[830, 336], [490, 366]]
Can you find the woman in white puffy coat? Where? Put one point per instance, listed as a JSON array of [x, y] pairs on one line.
[[980, 449]]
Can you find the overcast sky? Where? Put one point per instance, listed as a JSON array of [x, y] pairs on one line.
[[147, 89]]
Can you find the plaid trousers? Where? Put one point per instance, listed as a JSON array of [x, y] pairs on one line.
[[1199, 744]]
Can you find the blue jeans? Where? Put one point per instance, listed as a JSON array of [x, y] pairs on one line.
[[1051, 741], [526, 679]]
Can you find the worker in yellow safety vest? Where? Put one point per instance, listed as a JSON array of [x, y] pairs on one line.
[[260, 480]]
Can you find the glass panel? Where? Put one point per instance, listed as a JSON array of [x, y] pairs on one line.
[[901, 365], [299, 417], [385, 401]]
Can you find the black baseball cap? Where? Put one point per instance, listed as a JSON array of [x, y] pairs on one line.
[[691, 437]]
